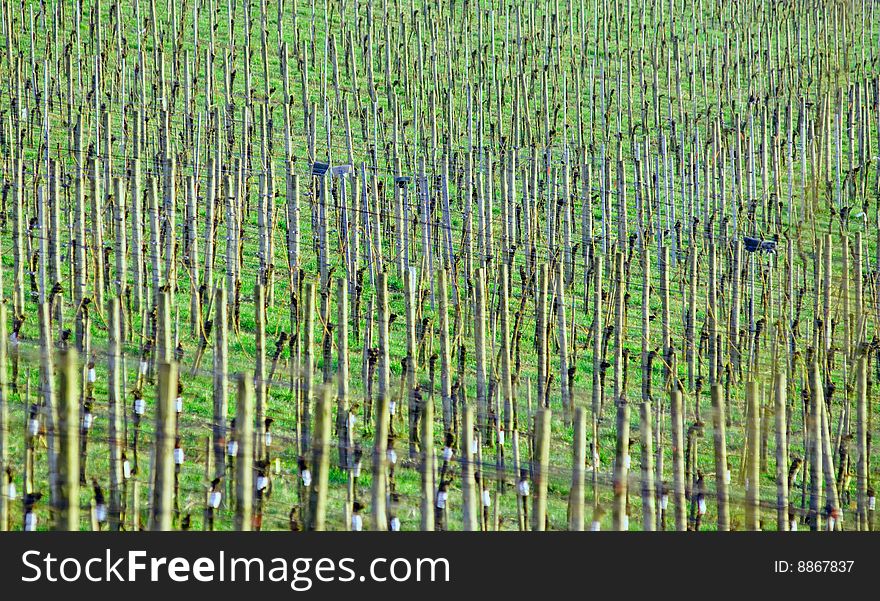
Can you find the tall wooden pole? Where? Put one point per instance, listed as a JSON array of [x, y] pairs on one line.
[[470, 512], [780, 407], [678, 449], [4, 422], [719, 427], [67, 517], [647, 459], [163, 489], [244, 464], [380, 444], [861, 443], [541, 468], [116, 401], [320, 461], [578, 468], [752, 458]]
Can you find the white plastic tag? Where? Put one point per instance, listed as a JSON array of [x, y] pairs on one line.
[[214, 499]]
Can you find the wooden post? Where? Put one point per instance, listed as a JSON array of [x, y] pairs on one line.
[[541, 467], [67, 516], [719, 425], [541, 335], [260, 375], [4, 422], [137, 235], [506, 371], [308, 367], [344, 433], [380, 444], [562, 326], [470, 511], [320, 461], [163, 489], [18, 246], [119, 212], [522, 521], [669, 375], [678, 449], [814, 425], [426, 466], [752, 458], [164, 346], [445, 354], [579, 459], [410, 290], [647, 459], [780, 408], [620, 520], [861, 442], [116, 401], [480, 349], [244, 464], [832, 500]]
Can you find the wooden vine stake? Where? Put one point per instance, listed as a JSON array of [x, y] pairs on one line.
[[163, 487], [752, 458], [541, 466], [67, 516], [244, 464], [320, 460]]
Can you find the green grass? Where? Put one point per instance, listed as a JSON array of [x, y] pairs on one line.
[[195, 422]]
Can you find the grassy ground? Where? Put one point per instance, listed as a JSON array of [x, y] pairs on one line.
[[195, 421]]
